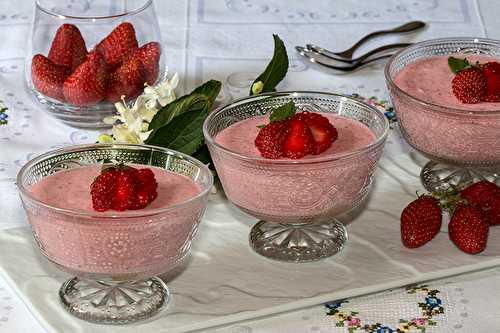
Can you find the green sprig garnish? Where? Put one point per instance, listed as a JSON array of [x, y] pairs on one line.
[[456, 64]]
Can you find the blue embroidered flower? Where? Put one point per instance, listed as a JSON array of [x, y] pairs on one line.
[[334, 304], [432, 301], [3, 116], [385, 329]]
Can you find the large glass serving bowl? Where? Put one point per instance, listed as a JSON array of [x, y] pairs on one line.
[[463, 145], [115, 256], [296, 200], [95, 20]]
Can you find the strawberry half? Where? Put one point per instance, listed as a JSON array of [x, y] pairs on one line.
[[491, 71], [120, 42], [149, 55], [270, 139], [469, 85], [324, 134], [299, 140], [87, 85], [127, 80], [468, 229], [68, 47], [420, 221], [47, 77]]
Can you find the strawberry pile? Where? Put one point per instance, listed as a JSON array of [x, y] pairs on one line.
[[473, 210], [475, 83], [295, 135], [116, 67], [123, 188]]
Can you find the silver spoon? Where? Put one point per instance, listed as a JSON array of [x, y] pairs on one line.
[[407, 27], [334, 65], [328, 54]]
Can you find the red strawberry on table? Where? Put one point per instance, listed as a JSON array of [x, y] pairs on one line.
[[486, 196], [120, 42], [47, 77], [468, 229], [149, 55], [469, 85], [127, 80], [420, 221], [87, 85], [68, 47]]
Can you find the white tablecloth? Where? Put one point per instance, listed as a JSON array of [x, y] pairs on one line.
[[230, 40]]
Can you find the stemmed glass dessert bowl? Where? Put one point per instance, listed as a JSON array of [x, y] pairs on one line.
[[462, 144], [115, 255], [296, 201], [91, 97]]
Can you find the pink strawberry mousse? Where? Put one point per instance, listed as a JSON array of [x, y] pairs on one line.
[[296, 191], [88, 242], [448, 131]]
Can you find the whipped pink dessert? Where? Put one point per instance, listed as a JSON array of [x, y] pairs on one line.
[[125, 244], [449, 131], [300, 190]]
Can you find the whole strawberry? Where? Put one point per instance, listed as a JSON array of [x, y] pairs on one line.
[[486, 196], [420, 221], [87, 85], [468, 229], [149, 56], [47, 77], [120, 42], [68, 47], [492, 210], [469, 85], [128, 80]]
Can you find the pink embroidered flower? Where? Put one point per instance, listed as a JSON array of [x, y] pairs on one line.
[[354, 321], [420, 321]]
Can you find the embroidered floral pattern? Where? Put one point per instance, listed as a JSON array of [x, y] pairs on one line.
[[430, 307], [381, 104], [3, 114]]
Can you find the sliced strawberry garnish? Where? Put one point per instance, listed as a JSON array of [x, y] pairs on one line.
[[68, 47], [299, 141], [87, 85], [324, 134], [120, 42], [469, 85], [127, 80], [122, 187], [48, 78], [149, 55], [270, 139], [491, 71]]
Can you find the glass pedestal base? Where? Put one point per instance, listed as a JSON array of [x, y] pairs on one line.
[[113, 303], [298, 242], [437, 176]]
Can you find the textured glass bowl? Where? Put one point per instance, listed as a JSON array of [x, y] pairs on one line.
[[115, 256], [95, 20], [296, 200], [462, 144]]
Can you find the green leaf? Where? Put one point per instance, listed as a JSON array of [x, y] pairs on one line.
[[274, 72], [201, 97], [184, 133], [210, 89], [283, 112], [456, 64]]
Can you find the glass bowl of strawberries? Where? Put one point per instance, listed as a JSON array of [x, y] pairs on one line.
[[115, 216], [83, 58], [296, 161], [446, 95]]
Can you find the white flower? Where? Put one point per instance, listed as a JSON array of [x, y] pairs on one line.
[[134, 121]]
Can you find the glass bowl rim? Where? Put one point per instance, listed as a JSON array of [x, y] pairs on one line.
[[139, 9], [320, 159], [112, 214], [436, 107]]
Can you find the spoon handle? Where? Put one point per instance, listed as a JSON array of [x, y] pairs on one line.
[[407, 27], [381, 49]]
